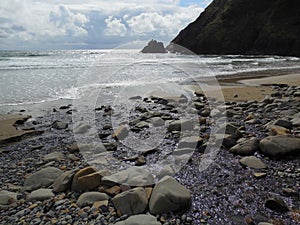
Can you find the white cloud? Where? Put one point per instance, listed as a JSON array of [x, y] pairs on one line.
[[114, 27], [92, 23]]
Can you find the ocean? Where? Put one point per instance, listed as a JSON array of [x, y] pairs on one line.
[[28, 77]]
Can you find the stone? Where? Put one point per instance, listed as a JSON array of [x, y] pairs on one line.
[[277, 130], [245, 148], [99, 204], [283, 123], [88, 178], [166, 171], [226, 140], [276, 204], [81, 128], [63, 182], [253, 162], [169, 195], [89, 198], [181, 125], [140, 220], [121, 133], [41, 179], [113, 191], [131, 202], [73, 148], [7, 198], [265, 223], [154, 47], [277, 146], [133, 176], [54, 156], [40, 195], [259, 175], [142, 125], [59, 125], [157, 121], [230, 129], [190, 142]]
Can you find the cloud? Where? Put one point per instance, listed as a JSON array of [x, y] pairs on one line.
[[91, 23], [114, 27]]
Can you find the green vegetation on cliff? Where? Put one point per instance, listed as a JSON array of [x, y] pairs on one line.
[[244, 27]]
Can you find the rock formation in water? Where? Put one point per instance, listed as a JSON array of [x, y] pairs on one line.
[[269, 27], [154, 47]]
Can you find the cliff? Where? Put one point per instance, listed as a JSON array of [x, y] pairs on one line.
[[269, 27]]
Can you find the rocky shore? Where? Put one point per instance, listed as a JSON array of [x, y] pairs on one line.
[[252, 148]]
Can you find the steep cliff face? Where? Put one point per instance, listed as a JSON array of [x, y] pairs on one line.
[[244, 27]]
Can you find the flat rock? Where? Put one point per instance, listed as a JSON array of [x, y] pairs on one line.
[[63, 182], [181, 125], [140, 220], [131, 202], [134, 176], [54, 156], [253, 162], [89, 198], [283, 123], [81, 128], [59, 125], [40, 195], [43, 178], [277, 146], [168, 195], [246, 147], [190, 142], [87, 179], [7, 198]]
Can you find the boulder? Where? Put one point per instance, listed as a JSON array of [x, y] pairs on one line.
[[89, 198], [168, 195], [54, 156], [246, 147], [134, 176], [277, 146], [40, 195], [131, 202], [226, 140], [7, 198], [43, 178], [154, 47], [230, 129], [59, 125], [88, 178], [253, 162], [63, 182], [140, 220], [181, 125]]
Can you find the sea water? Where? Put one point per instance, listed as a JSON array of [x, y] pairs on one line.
[[28, 77]]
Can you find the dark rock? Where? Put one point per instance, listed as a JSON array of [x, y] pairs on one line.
[[243, 27], [276, 146], [59, 125], [154, 47], [277, 204], [245, 148]]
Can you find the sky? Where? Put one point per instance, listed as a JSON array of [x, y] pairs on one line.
[[92, 24]]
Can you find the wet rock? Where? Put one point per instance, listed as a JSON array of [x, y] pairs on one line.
[[181, 125], [7, 198], [54, 156], [276, 204], [140, 220], [253, 162], [230, 129], [89, 198], [226, 140], [63, 182], [121, 133], [168, 195], [276, 146], [59, 125], [190, 142], [134, 176], [87, 179], [42, 178], [40, 195], [82, 128], [131, 202], [245, 148]]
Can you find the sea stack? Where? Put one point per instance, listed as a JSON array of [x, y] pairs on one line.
[[154, 47], [257, 27]]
